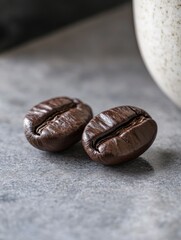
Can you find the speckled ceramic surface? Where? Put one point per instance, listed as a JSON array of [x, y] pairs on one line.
[[158, 28]]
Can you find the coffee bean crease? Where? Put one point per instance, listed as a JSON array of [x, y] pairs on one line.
[[118, 130], [54, 117]]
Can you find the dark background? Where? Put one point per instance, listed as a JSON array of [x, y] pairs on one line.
[[22, 20]]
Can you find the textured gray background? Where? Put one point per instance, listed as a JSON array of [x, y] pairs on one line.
[[67, 196]]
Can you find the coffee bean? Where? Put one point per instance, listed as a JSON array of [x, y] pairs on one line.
[[56, 124], [118, 135]]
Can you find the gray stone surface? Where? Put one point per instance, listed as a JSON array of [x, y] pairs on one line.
[[67, 196]]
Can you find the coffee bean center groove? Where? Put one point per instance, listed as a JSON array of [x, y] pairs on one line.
[[119, 129], [41, 126]]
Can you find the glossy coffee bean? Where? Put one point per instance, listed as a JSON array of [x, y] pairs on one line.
[[118, 135], [56, 124]]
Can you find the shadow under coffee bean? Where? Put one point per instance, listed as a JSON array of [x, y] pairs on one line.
[[118, 135]]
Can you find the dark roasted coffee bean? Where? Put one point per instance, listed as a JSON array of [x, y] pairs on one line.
[[56, 124], [118, 135]]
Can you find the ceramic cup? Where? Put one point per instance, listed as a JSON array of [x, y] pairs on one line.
[[158, 30]]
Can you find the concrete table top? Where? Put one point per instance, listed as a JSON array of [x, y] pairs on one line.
[[66, 195]]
